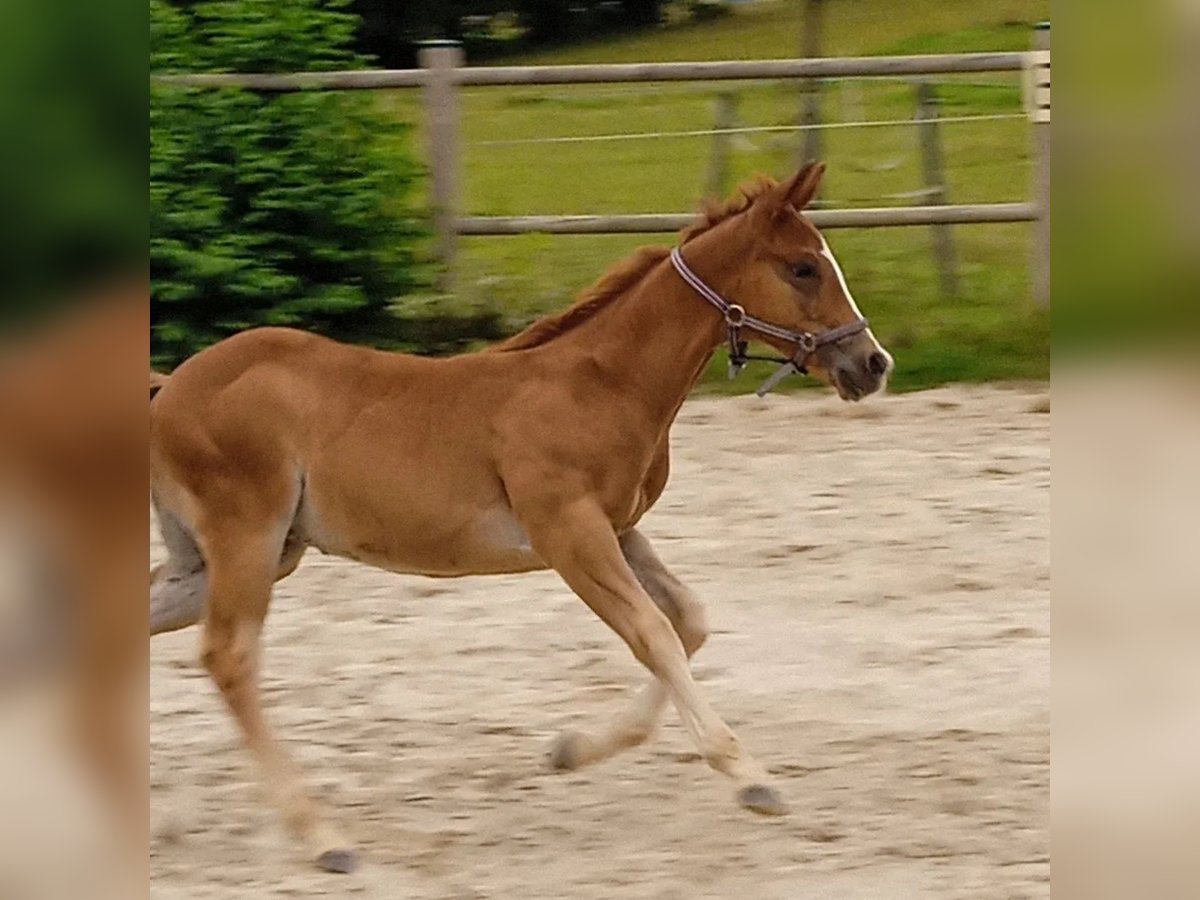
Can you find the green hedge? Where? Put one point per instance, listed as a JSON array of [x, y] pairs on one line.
[[273, 209]]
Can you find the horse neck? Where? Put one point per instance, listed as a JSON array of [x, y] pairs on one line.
[[653, 342]]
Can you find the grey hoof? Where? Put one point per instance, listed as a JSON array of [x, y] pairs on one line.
[[762, 799], [342, 862], [564, 755]]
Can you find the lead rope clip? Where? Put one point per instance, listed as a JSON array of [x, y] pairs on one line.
[[788, 368], [735, 315]]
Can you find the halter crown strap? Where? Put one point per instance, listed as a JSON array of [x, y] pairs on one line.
[[736, 316]]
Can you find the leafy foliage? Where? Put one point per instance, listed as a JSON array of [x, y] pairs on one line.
[[272, 209]]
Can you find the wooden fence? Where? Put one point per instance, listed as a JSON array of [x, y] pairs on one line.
[[443, 72]]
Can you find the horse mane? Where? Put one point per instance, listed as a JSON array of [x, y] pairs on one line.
[[612, 284], [625, 274], [715, 211]]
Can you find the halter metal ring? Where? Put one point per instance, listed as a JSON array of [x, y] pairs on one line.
[[806, 342], [735, 316]]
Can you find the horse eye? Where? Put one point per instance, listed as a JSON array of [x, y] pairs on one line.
[[804, 270]]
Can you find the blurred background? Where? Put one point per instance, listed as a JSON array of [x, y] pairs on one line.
[[74, 314], [73, 162]]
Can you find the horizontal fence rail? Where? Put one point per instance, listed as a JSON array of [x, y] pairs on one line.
[[354, 80], [663, 223], [832, 67]]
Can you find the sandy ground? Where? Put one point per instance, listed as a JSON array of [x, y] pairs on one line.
[[877, 578]]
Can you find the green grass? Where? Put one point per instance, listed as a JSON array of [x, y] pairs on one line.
[[992, 331], [772, 30]]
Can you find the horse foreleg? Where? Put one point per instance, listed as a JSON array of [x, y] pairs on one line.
[[581, 545], [639, 721]]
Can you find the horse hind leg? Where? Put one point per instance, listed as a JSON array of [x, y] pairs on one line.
[[634, 725], [241, 569]]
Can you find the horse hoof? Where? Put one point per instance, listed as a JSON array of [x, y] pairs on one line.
[[565, 754], [762, 799], [343, 862]]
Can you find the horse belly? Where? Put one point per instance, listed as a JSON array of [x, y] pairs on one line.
[[410, 535]]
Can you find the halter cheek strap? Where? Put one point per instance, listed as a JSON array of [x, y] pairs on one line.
[[736, 318]]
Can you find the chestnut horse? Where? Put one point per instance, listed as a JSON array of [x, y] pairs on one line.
[[543, 452]]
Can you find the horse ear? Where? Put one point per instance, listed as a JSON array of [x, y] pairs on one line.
[[796, 192], [803, 186]]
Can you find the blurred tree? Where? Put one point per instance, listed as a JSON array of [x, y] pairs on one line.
[[642, 12], [285, 209], [392, 28], [558, 21], [548, 21]]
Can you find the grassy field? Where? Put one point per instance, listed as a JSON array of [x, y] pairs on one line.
[[992, 331]]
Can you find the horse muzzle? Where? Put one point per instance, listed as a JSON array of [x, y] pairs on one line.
[[856, 375]]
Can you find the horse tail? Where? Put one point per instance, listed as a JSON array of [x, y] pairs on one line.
[[157, 381], [177, 586]]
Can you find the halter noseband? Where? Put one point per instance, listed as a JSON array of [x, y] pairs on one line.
[[736, 318]]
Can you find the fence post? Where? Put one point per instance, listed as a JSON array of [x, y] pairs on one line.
[[718, 169], [811, 115], [1041, 186], [440, 59], [935, 193]]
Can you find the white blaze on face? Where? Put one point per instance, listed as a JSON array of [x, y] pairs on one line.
[[837, 270]]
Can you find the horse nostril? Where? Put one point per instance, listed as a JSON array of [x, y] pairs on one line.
[[877, 363]]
